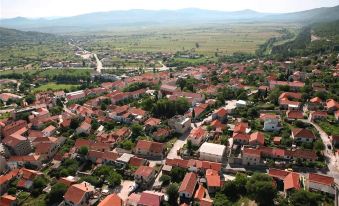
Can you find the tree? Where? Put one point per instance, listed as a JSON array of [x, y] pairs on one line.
[[57, 192], [319, 145], [303, 197], [172, 192], [189, 147], [260, 188], [197, 45], [30, 98], [165, 179], [38, 184], [83, 150], [193, 114], [220, 200], [177, 174], [136, 130]]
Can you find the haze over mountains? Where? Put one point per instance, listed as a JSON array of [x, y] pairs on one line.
[[100, 20]]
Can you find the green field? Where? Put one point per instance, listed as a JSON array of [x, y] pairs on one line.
[[224, 39], [55, 87]]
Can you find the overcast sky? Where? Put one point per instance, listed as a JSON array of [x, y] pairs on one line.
[[52, 8]]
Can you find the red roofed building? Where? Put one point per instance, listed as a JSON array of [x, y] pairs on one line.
[[332, 105], [213, 180], [321, 183], [241, 138], [241, 127], [144, 175], [13, 127], [220, 114], [79, 194], [251, 156], [112, 200], [150, 198], [292, 182], [188, 185], [314, 103], [197, 136], [8, 200], [149, 149], [152, 122], [294, 115], [316, 115], [257, 138], [303, 135], [17, 143]]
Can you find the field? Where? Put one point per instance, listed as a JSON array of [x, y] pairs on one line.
[[55, 87], [224, 39]]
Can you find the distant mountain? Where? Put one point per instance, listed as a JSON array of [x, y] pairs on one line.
[[188, 16]]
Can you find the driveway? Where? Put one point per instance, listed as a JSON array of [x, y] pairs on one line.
[[122, 190], [181, 141]]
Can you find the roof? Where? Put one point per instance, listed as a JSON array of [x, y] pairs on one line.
[[213, 178], [197, 133], [200, 193], [258, 137], [277, 173], [252, 152], [152, 121], [291, 114], [144, 171], [112, 200], [7, 200], [316, 100], [76, 192], [206, 202], [210, 148], [50, 128], [240, 127], [188, 184], [291, 181], [149, 199], [155, 147], [321, 179], [301, 132]]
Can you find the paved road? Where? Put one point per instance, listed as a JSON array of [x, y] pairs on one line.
[[331, 160], [181, 141], [99, 64], [122, 190]]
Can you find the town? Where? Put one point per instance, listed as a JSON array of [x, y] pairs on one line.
[[261, 131]]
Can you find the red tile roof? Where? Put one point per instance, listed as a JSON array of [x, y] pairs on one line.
[[112, 200], [76, 192], [188, 184], [149, 199], [291, 181], [301, 132], [321, 179], [257, 137], [152, 121], [145, 145], [144, 171], [291, 114], [213, 178], [277, 173], [200, 193], [240, 127]]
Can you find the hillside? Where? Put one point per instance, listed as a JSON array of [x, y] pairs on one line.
[[132, 18], [313, 39]]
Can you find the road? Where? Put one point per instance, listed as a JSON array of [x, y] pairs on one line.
[[99, 64], [331, 160]]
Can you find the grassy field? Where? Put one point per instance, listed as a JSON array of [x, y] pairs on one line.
[[330, 129], [55, 87], [225, 39]]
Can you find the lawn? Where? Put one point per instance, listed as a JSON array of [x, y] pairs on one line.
[[35, 201], [330, 129], [55, 87]]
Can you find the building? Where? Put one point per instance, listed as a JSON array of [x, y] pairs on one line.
[[188, 185], [144, 175], [302, 135], [48, 131], [197, 136], [220, 114], [180, 124], [257, 138], [84, 128], [272, 125], [251, 156], [320, 183], [213, 180], [112, 200], [17, 143], [149, 149], [79, 194], [212, 152]]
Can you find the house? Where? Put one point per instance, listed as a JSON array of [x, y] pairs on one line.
[[19, 161], [77, 95], [180, 124], [220, 114], [213, 180], [334, 140], [257, 138], [251, 156], [188, 185], [49, 131], [241, 138], [302, 135], [79, 194], [150, 198], [8, 200], [149, 149], [314, 104], [277, 140], [5, 97], [27, 178], [6, 179], [84, 128], [112, 200], [271, 122], [322, 183], [317, 115], [192, 98], [294, 115], [212, 152], [161, 134], [133, 199], [197, 136], [200, 193], [241, 127], [332, 105], [152, 122], [144, 175], [198, 111], [9, 129], [17, 143], [292, 182], [46, 150]]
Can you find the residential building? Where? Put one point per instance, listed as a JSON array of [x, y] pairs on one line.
[[112, 200], [302, 135], [144, 175], [180, 124], [79, 194], [322, 183], [17, 143], [257, 138], [251, 156], [197, 136], [149, 149], [212, 152], [188, 185]]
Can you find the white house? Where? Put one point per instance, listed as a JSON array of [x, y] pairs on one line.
[[212, 152], [321, 183], [272, 125]]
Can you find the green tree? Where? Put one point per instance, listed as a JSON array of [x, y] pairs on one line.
[[319, 145], [260, 188], [30, 98], [57, 192], [221, 200], [177, 174], [303, 197], [83, 150], [136, 130], [172, 192], [165, 179]]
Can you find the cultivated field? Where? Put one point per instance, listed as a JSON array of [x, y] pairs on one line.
[[224, 39]]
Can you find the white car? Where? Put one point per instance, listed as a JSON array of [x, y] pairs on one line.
[[132, 187]]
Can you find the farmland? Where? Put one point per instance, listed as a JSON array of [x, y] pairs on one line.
[[207, 40]]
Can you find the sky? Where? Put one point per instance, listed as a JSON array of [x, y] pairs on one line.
[[58, 8]]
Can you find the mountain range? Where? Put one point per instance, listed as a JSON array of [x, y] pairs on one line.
[[187, 16]]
